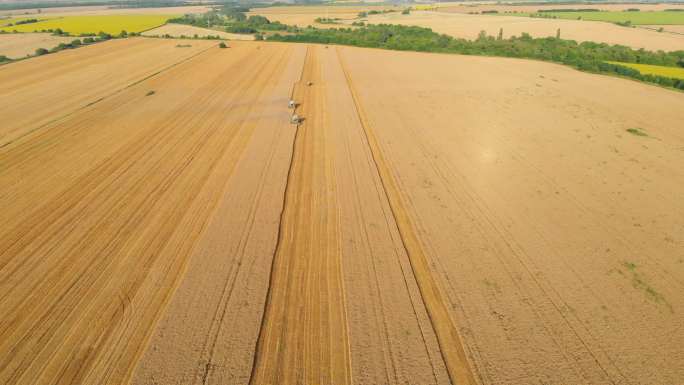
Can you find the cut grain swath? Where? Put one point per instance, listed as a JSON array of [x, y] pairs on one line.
[[450, 342], [304, 333]]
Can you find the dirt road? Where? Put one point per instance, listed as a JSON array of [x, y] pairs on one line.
[[486, 221]]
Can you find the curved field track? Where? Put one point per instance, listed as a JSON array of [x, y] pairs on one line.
[[435, 219]]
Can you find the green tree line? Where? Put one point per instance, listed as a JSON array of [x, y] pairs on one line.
[[585, 56], [233, 19]]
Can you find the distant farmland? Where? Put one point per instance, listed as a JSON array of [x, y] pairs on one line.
[[112, 24], [637, 18]]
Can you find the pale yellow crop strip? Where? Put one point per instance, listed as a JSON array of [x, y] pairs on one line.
[[112, 24], [648, 69]]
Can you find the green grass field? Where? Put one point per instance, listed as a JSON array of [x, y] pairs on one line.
[[646, 69], [112, 24], [637, 18]]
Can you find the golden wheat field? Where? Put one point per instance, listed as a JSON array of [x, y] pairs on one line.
[[478, 221]]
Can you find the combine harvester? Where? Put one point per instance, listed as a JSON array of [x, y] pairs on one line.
[[294, 119]]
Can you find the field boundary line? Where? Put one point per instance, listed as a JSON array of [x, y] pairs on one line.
[[279, 236], [449, 339], [113, 93]]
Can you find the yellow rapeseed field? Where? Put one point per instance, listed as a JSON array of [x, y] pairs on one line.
[[425, 7], [112, 24], [648, 69]]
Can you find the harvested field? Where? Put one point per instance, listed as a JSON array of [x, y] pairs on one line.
[[79, 77], [491, 221], [18, 45], [469, 26], [178, 30]]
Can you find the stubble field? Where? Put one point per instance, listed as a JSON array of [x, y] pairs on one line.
[[487, 221]]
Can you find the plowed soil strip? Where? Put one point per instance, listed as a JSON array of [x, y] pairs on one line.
[[450, 342]]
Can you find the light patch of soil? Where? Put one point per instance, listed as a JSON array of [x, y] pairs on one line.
[[469, 26], [18, 45], [177, 30]]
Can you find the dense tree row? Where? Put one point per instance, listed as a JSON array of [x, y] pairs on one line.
[[586, 56], [233, 19]]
